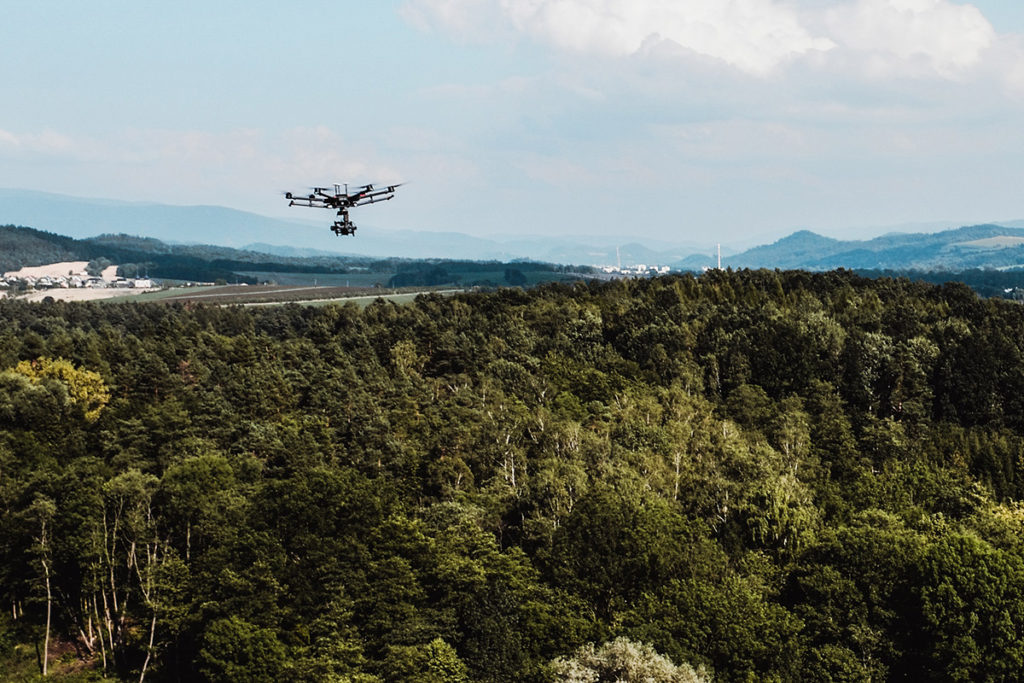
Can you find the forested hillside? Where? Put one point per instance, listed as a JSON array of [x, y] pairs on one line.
[[136, 256], [26, 247], [747, 476]]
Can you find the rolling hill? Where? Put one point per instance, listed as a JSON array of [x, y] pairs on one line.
[[83, 218], [20, 246], [970, 247]]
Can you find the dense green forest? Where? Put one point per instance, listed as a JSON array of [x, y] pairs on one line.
[[746, 476], [988, 282]]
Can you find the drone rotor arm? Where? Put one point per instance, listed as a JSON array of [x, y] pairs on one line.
[[374, 200], [315, 202]]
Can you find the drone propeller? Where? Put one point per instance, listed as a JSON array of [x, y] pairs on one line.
[[348, 189]]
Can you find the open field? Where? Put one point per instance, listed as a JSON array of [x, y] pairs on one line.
[[50, 270], [263, 295], [466, 278], [321, 279], [1000, 242], [405, 297], [84, 294]]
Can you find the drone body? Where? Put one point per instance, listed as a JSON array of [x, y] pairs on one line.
[[342, 200]]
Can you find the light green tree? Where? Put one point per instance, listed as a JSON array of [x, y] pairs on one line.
[[625, 661], [86, 388]]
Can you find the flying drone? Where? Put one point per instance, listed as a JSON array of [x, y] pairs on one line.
[[342, 200]]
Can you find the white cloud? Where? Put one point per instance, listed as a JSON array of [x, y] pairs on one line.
[[911, 37], [45, 142], [1010, 54], [475, 20], [752, 35], [876, 37]]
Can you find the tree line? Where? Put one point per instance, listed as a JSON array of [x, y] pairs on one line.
[[751, 475]]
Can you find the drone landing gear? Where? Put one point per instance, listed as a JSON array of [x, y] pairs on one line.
[[343, 225]]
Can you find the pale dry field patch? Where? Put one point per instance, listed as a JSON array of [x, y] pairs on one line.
[[84, 293], [52, 270]]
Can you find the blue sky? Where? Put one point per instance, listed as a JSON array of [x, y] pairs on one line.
[[678, 120]]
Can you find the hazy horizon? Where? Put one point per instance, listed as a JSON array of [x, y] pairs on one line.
[[40, 215]]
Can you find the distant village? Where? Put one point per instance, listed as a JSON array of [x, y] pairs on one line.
[[18, 282], [639, 270]]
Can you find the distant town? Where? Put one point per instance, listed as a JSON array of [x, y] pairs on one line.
[[10, 282], [68, 275], [639, 270]]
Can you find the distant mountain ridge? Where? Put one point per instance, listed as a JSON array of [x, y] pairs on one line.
[[85, 218], [977, 246], [968, 247]]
